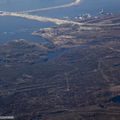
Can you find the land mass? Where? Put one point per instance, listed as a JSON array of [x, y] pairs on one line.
[[76, 76]]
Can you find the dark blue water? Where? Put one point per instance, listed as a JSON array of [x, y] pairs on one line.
[[116, 65], [116, 99], [17, 28], [12, 28]]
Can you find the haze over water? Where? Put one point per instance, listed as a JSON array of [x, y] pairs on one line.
[[11, 30]]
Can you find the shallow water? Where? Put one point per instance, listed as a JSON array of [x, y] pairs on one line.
[[12, 28], [17, 28]]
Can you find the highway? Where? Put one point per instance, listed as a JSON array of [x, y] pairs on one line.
[[75, 2]]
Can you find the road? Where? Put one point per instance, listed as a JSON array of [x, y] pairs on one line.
[[75, 2]]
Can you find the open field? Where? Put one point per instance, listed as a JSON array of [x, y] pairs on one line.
[[76, 77]]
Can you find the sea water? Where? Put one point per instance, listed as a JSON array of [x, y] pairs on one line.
[[18, 28]]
